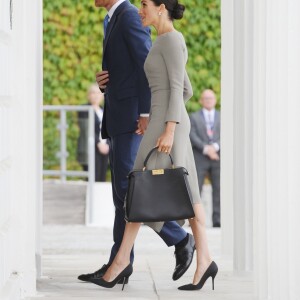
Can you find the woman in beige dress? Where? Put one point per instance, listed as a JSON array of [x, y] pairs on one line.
[[168, 128]]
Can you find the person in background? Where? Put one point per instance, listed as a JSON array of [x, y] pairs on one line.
[[95, 98], [205, 138]]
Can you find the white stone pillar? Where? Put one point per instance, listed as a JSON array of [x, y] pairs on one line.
[[266, 141], [227, 128], [27, 126], [21, 144], [237, 224], [276, 143]]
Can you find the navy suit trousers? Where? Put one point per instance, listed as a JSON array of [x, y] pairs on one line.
[[123, 150]]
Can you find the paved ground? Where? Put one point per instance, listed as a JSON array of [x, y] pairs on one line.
[[64, 203], [73, 249]]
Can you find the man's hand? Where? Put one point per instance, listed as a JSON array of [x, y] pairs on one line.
[[211, 152], [103, 148], [102, 78], [142, 125], [214, 156]]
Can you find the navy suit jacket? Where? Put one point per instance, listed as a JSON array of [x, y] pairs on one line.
[[127, 94]]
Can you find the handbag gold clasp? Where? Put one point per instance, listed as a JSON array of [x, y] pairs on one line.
[[158, 172]]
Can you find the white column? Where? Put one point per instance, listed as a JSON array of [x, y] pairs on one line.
[[20, 132], [8, 282], [276, 143], [227, 128], [242, 132], [37, 27], [293, 165], [27, 128], [266, 141], [237, 222]]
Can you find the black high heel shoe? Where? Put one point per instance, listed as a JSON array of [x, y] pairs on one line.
[[211, 271], [122, 277]]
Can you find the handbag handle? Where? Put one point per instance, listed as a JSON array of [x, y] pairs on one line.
[[150, 153]]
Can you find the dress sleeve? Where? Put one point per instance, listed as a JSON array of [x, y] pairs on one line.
[[188, 90], [173, 54]]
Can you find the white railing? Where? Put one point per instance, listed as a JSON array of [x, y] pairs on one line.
[[63, 154]]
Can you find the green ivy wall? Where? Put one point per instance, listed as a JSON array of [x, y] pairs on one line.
[[73, 36]]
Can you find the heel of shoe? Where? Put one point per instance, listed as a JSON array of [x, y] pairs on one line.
[[125, 280], [213, 282]]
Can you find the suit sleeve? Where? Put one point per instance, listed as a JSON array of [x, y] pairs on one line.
[[173, 55], [196, 141], [97, 129], [218, 140], [139, 43]]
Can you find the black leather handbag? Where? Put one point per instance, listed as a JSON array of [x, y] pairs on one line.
[[158, 195]]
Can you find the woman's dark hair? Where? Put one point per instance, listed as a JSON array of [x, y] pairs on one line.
[[174, 8]]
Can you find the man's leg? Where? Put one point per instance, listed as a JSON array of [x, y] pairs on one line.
[[202, 167], [215, 182], [97, 165], [122, 155], [172, 233], [103, 164]]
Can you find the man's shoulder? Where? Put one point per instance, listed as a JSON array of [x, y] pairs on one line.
[[218, 112], [195, 114], [129, 11], [129, 20]]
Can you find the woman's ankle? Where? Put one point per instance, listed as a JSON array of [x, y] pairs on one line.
[[204, 262], [121, 261]]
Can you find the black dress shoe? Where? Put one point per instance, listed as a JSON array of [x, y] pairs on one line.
[[96, 275], [184, 257]]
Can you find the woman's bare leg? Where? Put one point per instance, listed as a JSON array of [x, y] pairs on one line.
[[122, 259], [199, 232]]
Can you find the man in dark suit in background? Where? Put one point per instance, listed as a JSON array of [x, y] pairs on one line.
[[205, 138], [126, 111], [95, 98]]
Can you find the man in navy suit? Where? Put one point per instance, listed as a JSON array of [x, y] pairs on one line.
[[127, 103]]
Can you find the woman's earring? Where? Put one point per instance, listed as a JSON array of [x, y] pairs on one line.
[[159, 13]]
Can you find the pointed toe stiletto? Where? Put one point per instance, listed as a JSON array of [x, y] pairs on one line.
[[211, 271], [121, 278]]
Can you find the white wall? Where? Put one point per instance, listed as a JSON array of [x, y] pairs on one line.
[[20, 146], [263, 68]]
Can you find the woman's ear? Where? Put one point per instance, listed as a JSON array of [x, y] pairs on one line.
[[162, 8]]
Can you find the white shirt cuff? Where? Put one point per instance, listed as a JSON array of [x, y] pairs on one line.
[[205, 150], [216, 146], [144, 115]]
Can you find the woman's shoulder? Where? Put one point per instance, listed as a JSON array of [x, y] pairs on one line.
[[173, 35], [171, 39]]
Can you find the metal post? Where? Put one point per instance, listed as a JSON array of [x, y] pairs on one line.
[[63, 154], [91, 160]]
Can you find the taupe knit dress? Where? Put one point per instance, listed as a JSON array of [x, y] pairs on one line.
[[170, 89]]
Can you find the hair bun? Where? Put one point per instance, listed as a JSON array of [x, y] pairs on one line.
[[177, 12]]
